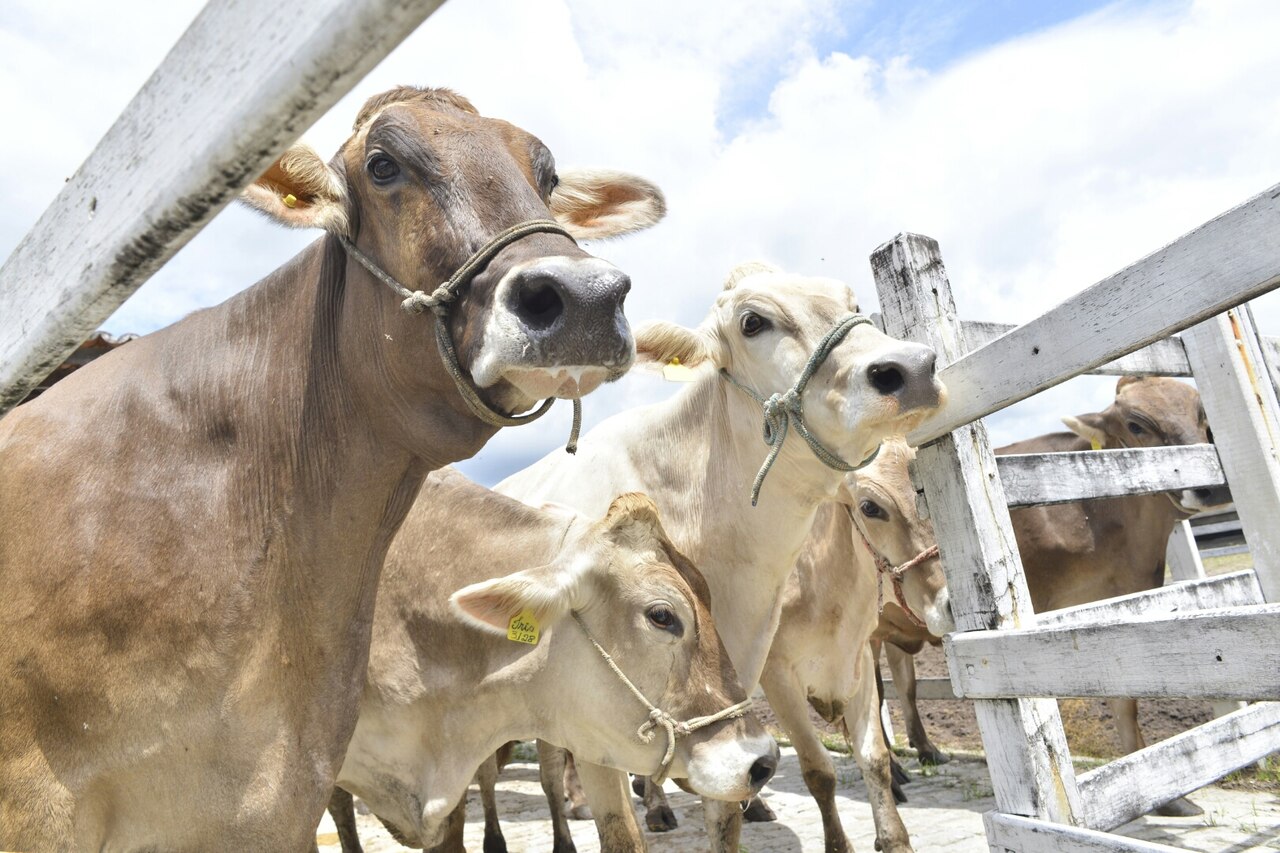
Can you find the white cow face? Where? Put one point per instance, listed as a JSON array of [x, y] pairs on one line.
[[763, 328], [882, 502], [647, 607]]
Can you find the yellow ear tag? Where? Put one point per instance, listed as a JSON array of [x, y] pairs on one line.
[[1097, 445], [523, 628], [677, 372], [290, 200]]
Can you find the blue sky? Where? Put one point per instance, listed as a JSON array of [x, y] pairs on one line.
[[1045, 145]]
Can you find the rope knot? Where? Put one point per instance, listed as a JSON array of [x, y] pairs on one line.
[[417, 302]]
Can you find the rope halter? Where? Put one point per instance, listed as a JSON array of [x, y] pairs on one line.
[[659, 718], [895, 573], [438, 302], [783, 409]]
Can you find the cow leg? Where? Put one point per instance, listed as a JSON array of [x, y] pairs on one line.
[[658, 815], [487, 778], [862, 719], [343, 811], [454, 828], [552, 768], [897, 773], [578, 808], [1131, 740], [610, 800], [786, 697], [724, 825], [903, 666]]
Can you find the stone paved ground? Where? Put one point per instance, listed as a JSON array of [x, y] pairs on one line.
[[944, 813]]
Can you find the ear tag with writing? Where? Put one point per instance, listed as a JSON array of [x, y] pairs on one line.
[[1097, 445], [674, 371], [290, 200], [523, 628]]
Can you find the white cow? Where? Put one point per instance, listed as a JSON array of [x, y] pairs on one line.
[[447, 684], [697, 455]]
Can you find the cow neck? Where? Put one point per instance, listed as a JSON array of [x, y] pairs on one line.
[[746, 553]]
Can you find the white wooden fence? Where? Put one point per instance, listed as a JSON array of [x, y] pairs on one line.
[[1213, 638], [241, 84]]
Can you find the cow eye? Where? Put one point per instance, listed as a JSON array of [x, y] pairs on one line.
[[661, 616], [871, 509], [1136, 428], [753, 324], [383, 168]]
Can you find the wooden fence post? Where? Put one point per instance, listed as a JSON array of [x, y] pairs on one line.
[[1182, 554], [1023, 738], [1240, 402]]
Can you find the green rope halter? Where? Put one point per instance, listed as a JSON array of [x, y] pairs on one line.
[[781, 409], [438, 301]]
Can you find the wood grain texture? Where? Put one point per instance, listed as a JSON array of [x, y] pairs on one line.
[[240, 85], [1014, 834], [1026, 749], [1160, 358], [1210, 654], [1128, 787], [1183, 555], [1238, 589], [1224, 262], [1245, 418], [1037, 479]]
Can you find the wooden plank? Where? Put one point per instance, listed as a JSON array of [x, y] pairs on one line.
[[1183, 555], [1164, 357], [240, 85], [1023, 739], [1238, 589], [1245, 418], [1271, 357], [1222, 263], [1210, 654], [1037, 479], [1128, 787], [927, 689], [1014, 834]]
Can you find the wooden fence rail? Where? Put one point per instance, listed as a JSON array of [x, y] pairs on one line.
[[241, 84]]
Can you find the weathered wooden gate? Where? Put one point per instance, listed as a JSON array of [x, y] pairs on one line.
[[1212, 638]]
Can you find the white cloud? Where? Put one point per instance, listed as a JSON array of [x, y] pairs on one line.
[[1040, 164]]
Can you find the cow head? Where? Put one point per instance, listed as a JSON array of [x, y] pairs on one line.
[[883, 506], [763, 328], [423, 182], [648, 607], [1153, 411]]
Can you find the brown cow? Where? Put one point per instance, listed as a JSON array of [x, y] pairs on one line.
[[192, 526], [446, 686], [1079, 552]]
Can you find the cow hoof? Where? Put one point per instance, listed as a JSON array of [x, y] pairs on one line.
[[637, 786], [563, 846], [495, 844], [661, 819], [897, 773], [757, 811], [933, 756], [582, 811], [1181, 807], [899, 796]]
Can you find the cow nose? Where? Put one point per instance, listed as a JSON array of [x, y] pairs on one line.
[[762, 771], [907, 375], [575, 295]]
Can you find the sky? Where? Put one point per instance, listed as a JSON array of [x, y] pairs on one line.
[[1044, 145]]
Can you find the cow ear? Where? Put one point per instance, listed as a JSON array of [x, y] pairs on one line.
[[302, 191], [634, 508], [596, 203], [665, 343], [546, 593], [1089, 427]]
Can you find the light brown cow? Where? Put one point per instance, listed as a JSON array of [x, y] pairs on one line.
[[446, 686], [192, 526], [698, 453], [1090, 550], [821, 654]]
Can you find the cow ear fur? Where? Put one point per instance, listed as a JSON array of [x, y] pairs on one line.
[[660, 343], [1088, 427], [596, 203], [546, 592], [302, 191]]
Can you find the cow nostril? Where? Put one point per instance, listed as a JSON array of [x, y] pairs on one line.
[[1202, 494], [538, 302], [762, 770], [886, 378]]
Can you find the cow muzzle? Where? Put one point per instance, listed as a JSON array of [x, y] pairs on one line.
[[907, 375], [733, 766]]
